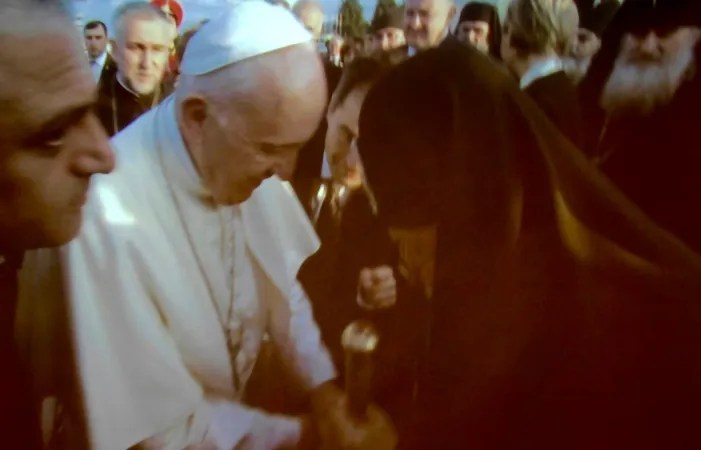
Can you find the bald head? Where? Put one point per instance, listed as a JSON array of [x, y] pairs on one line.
[[311, 14], [245, 122], [28, 17], [51, 139]]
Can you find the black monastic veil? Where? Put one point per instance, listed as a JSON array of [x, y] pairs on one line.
[[563, 318]]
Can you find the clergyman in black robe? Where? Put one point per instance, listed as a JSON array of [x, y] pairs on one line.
[[118, 106], [562, 317], [641, 106], [479, 25]]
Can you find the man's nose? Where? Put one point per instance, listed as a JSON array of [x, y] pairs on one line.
[[147, 58], [415, 22], [94, 153], [650, 44]]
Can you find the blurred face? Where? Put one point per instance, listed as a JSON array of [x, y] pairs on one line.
[[341, 136], [650, 67], [142, 54], [50, 140], [239, 144], [475, 33], [387, 39], [335, 46], [426, 22], [95, 41]]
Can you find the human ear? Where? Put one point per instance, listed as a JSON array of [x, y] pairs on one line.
[[194, 111]]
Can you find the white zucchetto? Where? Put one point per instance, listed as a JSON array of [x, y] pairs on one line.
[[245, 30]]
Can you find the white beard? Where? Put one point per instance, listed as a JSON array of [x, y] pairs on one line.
[[639, 89]]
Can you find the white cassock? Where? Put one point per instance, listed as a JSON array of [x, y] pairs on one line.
[[170, 297]]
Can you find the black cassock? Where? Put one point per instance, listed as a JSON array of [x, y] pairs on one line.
[[557, 96], [117, 107], [563, 318]]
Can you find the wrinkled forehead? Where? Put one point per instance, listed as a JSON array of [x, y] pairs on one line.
[[40, 74]]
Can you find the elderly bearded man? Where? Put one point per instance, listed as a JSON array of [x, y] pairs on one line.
[[190, 251]]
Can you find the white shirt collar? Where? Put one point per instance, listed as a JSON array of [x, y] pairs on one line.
[[100, 60], [175, 154], [541, 69]]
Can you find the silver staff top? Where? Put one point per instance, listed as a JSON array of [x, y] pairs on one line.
[[360, 336]]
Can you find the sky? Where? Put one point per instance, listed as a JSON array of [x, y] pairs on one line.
[[195, 10]]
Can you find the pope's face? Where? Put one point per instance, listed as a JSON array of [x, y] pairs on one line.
[[142, 54], [50, 139], [258, 133]]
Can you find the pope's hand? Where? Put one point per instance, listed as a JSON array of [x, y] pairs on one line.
[[339, 431], [377, 288]]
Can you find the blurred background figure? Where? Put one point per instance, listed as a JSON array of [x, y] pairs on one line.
[[334, 48], [175, 14], [427, 23], [142, 48], [479, 26], [537, 34], [96, 40], [386, 30]]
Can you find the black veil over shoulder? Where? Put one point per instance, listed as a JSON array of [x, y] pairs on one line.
[[563, 318]]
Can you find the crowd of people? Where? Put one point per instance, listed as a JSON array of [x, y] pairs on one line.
[[190, 218]]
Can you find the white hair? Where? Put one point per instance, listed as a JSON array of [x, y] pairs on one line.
[[302, 5], [543, 26], [242, 78], [219, 87], [135, 10]]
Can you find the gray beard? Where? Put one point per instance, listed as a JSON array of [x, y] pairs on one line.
[[633, 89]]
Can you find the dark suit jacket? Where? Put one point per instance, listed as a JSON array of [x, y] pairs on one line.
[[19, 423], [557, 96], [108, 70]]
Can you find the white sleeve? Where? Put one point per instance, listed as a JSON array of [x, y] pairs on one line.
[[227, 426], [296, 334]]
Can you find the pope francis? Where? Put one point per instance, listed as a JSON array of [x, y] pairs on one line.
[[189, 253]]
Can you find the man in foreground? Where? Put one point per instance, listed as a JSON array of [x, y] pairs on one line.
[[191, 248], [50, 145]]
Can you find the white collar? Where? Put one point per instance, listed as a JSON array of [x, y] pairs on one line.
[[541, 69], [175, 155], [120, 79], [102, 59]]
